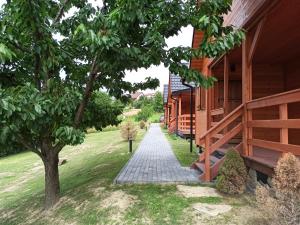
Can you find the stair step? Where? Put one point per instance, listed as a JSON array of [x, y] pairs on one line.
[[218, 136], [214, 159], [200, 166], [222, 150]]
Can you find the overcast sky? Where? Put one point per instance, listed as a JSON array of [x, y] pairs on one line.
[[160, 72]]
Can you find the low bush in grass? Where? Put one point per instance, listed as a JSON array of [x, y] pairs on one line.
[[281, 203], [233, 174], [142, 124]]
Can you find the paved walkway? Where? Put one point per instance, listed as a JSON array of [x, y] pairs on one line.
[[155, 162]]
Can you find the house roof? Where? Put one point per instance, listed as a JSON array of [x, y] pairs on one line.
[[176, 83], [136, 95], [165, 94]]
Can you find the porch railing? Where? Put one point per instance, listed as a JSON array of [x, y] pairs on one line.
[[240, 120], [184, 122], [283, 123], [214, 138]]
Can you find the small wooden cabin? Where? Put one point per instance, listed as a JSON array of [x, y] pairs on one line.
[[254, 106], [180, 102]]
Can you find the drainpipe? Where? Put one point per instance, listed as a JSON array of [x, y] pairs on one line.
[[176, 100], [191, 113]]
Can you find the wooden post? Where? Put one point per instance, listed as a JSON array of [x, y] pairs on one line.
[[207, 158], [226, 82], [283, 113], [179, 102], [209, 103], [247, 96]]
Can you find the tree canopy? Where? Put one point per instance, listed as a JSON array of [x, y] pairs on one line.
[[52, 66]]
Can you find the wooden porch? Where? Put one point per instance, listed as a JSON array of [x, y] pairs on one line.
[[255, 105]]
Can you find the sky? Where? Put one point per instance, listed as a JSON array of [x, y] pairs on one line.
[[184, 38]]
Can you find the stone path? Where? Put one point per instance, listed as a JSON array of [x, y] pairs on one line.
[[155, 162]]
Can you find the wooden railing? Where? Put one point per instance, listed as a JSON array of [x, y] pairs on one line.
[[283, 123], [241, 120], [184, 122], [214, 132]]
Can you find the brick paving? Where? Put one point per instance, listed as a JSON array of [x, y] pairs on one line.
[[155, 162]]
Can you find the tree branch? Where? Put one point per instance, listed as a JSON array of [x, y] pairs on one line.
[[87, 93], [27, 145], [60, 12]]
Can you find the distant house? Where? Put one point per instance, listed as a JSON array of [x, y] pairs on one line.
[[149, 95], [136, 96], [177, 99]]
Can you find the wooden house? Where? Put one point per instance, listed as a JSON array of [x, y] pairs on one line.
[[254, 106], [179, 107]]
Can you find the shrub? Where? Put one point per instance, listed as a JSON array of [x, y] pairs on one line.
[[128, 131], [281, 203], [233, 174], [142, 124]]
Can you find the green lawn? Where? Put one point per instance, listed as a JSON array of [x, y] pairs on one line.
[[155, 118], [181, 148], [88, 194]]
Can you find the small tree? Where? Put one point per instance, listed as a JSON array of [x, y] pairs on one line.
[[128, 131], [233, 174], [158, 102], [281, 203]]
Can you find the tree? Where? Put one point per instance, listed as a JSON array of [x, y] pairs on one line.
[[145, 113], [52, 65], [158, 102]]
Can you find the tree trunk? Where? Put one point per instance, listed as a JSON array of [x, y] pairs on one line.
[[52, 188]]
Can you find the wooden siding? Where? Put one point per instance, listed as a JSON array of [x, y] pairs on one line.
[[197, 39], [242, 11]]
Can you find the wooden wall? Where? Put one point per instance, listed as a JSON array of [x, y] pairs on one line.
[[268, 79], [185, 103], [242, 11]]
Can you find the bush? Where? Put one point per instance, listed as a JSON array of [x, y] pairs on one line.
[[233, 174], [142, 124], [10, 149], [145, 113], [128, 131], [281, 203]]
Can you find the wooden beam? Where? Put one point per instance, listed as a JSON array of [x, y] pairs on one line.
[[283, 115], [294, 149], [216, 112], [209, 103], [229, 135], [179, 107], [207, 158], [255, 39], [246, 94], [277, 99], [287, 123], [226, 84]]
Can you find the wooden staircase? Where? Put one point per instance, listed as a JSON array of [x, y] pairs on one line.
[[216, 142], [216, 160]]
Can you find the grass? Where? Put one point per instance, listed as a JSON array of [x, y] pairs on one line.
[[154, 118], [88, 195], [181, 148]]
